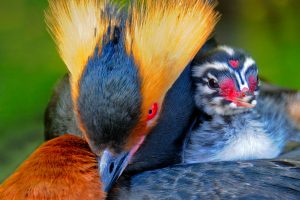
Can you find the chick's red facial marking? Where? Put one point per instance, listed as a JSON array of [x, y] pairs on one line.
[[230, 92], [234, 63], [252, 83], [228, 89]]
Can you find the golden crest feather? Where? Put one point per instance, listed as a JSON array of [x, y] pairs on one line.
[[163, 37], [77, 27]]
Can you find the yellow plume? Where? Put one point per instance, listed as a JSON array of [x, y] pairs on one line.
[[163, 37], [77, 27]]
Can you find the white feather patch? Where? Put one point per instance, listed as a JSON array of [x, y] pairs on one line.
[[249, 145], [200, 69], [227, 49]]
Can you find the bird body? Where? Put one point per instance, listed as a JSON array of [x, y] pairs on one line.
[[257, 179], [237, 123], [259, 133]]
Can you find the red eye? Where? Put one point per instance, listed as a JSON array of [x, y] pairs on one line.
[[152, 111]]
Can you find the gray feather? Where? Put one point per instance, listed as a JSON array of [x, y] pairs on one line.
[[59, 115], [261, 179]]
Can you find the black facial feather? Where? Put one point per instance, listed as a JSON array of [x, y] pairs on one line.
[[164, 143], [109, 101]]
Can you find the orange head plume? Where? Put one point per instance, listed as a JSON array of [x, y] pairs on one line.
[[77, 27]]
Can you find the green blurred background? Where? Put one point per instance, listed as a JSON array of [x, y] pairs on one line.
[[30, 66]]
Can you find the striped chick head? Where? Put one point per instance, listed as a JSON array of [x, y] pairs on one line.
[[226, 81]]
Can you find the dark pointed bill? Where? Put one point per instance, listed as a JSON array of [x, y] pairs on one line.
[[111, 167]]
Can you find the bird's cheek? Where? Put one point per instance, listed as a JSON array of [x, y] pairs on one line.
[[228, 90], [146, 123], [139, 132], [229, 94]]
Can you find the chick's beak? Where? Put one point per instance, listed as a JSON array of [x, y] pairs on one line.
[[242, 103], [246, 99], [111, 166]]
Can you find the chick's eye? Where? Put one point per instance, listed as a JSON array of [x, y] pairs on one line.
[[212, 83], [152, 111]]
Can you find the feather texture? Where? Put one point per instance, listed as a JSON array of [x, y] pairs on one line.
[[260, 179], [63, 168]]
